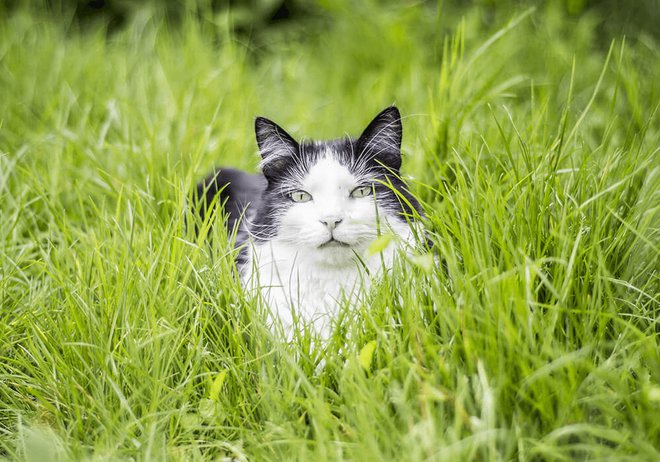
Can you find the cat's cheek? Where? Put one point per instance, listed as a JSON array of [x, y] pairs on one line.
[[366, 212], [300, 226]]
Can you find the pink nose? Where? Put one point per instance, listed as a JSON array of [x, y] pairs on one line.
[[331, 223]]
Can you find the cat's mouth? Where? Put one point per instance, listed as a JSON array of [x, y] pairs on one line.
[[332, 242]]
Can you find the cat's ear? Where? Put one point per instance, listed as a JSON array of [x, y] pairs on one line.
[[275, 145], [381, 140]]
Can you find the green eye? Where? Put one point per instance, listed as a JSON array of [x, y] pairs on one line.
[[300, 196], [361, 191]]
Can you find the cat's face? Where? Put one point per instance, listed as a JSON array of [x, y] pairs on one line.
[[331, 199], [331, 210]]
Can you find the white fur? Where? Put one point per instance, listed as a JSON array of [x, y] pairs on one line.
[[297, 278]]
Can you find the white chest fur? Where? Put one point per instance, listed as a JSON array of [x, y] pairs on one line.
[[307, 288]]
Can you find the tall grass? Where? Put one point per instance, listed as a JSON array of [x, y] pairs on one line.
[[533, 336]]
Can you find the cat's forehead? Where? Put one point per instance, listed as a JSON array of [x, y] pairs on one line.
[[339, 149], [316, 163], [328, 172]]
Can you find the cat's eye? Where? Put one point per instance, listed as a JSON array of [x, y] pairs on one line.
[[361, 191], [300, 196]]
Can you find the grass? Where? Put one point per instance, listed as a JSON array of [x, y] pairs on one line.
[[531, 140]]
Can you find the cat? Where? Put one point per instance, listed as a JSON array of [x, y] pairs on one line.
[[304, 225]]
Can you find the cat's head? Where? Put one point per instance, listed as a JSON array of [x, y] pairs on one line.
[[332, 196]]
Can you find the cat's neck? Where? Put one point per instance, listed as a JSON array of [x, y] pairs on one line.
[[294, 284], [315, 282]]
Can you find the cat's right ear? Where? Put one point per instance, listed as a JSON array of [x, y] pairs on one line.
[[276, 146]]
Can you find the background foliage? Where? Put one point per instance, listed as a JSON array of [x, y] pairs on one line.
[[531, 135]]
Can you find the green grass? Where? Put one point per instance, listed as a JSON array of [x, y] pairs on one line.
[[532, 141]]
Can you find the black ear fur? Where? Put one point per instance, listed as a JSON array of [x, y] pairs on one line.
[[381, 140], [275, 145], [273, 139]]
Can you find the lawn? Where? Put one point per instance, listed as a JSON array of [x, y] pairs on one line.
[[528, 331]]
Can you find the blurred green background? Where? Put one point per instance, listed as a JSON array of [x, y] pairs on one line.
[[530, 134]]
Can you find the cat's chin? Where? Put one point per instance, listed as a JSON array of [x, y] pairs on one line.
[[341, 258], [332, 253]]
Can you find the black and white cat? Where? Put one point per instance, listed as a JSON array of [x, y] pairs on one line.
[[305, 225]]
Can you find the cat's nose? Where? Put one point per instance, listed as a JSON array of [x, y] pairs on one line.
[[332, 223]]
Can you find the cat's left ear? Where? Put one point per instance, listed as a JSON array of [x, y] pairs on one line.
[[381, 140], [275, 145]]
